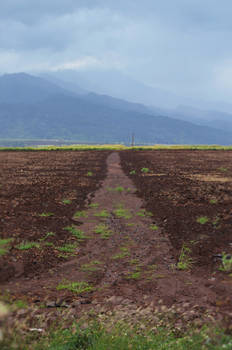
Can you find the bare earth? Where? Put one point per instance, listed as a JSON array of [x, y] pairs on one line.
[[130, 263]]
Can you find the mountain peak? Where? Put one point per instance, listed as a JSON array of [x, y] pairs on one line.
[[25, 88]]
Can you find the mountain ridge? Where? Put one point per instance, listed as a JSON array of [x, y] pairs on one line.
[[92, 117]]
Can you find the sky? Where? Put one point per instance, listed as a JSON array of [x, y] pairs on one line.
[[183, 46]]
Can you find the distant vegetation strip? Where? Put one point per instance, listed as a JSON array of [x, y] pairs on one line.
[[116, 147]]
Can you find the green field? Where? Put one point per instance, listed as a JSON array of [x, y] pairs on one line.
[[116, 147]]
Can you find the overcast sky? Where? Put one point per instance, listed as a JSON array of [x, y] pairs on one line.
[[179, 45]]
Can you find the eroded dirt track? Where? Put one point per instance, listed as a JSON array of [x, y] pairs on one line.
[[126, 247]]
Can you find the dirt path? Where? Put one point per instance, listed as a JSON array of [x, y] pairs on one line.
[[124, 257]]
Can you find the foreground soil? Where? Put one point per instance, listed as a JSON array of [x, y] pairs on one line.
[[39, 193], [127, 238], [180, 188]]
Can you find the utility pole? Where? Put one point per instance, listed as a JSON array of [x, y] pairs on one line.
[[133, 140]]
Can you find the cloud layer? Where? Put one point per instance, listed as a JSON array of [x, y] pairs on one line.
[[182, 46]]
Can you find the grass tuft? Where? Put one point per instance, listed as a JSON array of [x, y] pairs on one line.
[[226, 263], [28, 245], [79, 234], [93, 266], [4, 245], [94, 205], [67, 248], [202, 220], [103, 230], [119, 189], [144, 213], [154, 227], [81, 214], [145, 170], [213, 201], [122, 213], [66, 201], [45, 215], [185, 261], [75, 287], [134, 275], [124, 253], [102, 214]]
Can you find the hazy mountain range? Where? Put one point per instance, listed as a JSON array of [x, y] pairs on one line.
[[57, 107], [117, 84]]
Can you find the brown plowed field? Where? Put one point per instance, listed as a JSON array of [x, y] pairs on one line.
[[123, 249], [182, 186], [33, 190]]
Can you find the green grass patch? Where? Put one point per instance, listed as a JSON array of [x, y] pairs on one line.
[[64, 256], [66, 201], [154, 227], [122, 213], [28, 245], [213, 201], [202, 220], [79, 234], [132, 172], [226, 263], [145, 170], [185, 261], [134, 261], [48, 244], [20, 304], [134, 275], [81, 214], [89, 173], [93, 266], [4, 245], [94, 205], [130, 224], [124, 253], [22, 145], [222, 169], [102, 214], [144, 213], [103, 230], [67, 248], [119, 189], [45, 215], [75, 287], [119, 337]]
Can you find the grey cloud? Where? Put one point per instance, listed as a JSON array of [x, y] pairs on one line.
[[179, 45], [192, 12]]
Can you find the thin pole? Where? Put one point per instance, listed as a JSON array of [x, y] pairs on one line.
[[133, 140]]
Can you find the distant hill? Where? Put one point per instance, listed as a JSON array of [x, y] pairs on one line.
[[43, 110], [67, 85], [24, 88], [212, 118], [118, 85]]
